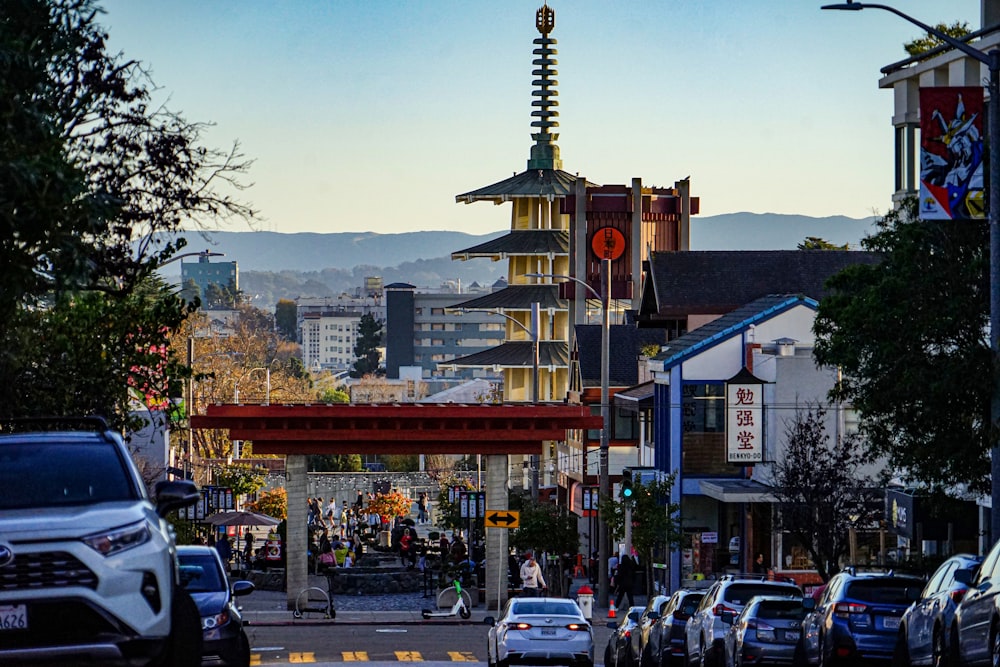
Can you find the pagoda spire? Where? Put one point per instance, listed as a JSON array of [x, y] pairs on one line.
[[545, 152]]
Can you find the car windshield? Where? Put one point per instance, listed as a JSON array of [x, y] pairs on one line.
[[200, 573], [36, 474], [886, 591], [741, 593], [775, 609], [546, 607]]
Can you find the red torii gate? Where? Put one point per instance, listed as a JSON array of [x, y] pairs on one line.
[[299, 430], [397, 428]]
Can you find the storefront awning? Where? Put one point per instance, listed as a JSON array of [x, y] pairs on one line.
[[737, 491]]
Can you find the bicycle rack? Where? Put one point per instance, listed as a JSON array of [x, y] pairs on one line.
[[306, 597]]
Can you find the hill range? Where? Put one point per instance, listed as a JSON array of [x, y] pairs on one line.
[[275, 265]]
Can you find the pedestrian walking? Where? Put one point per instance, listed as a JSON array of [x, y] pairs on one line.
[[422, 507], [625, 581], [225, 550], [532, 581]]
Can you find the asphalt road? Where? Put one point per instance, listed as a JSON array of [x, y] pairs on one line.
[[376, 644]]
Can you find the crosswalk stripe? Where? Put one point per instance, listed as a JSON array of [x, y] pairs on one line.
[[409, 656], [302, 657], [461, 656], [355, 656]]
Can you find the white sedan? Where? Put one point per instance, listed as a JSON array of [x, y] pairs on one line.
[[540, 631]]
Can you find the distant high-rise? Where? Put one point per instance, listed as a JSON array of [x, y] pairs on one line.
[[204, 273]]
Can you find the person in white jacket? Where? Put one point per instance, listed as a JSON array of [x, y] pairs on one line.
[[532, 581]]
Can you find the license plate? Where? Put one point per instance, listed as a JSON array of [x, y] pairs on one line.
[[13, 617], [890, 622], [792, 635], [548, 631]]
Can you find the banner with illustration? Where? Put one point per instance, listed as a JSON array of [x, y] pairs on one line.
[[951, 153]]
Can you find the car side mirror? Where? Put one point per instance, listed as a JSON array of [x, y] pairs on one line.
[[653, 616], [964, 576], [727, 617], [489, 620], [808, 604], [912, 593], [242, 588], [174, 495], [612, 625]]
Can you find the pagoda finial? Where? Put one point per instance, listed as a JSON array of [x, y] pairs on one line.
[[545, 153], [545, 19]]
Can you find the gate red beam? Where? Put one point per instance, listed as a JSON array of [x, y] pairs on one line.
[[397, 428]]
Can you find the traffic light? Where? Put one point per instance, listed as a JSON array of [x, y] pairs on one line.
[[627, 489]]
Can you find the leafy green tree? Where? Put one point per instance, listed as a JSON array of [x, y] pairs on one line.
[[335, 463], [448, 514], [366, 348], [822, 491], [96, 183], [544, 527], [285, 317], [924, 44], [401, 462], [334, 395], [816, 243], [909, 335], [242, 479], [655, 521]]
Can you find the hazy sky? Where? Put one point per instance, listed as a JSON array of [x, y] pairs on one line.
[[371, 115]]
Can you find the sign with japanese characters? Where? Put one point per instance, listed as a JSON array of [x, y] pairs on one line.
[[744, 422]]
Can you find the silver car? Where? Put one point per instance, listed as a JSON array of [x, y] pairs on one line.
[[540, 631]]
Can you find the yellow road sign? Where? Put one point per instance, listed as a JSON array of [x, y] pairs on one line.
[[502, 519]]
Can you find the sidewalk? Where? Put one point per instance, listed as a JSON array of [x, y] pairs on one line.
[[270, 608]]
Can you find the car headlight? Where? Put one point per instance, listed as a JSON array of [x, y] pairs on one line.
[[214, 621], [119, 539]]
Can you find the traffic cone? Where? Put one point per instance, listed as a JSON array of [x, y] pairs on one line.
[[611, 609]]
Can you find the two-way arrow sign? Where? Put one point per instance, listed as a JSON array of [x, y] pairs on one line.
[[502, 519]]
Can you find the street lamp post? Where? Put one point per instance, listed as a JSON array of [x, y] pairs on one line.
[[203, 253], [992, 62], [604, 480]]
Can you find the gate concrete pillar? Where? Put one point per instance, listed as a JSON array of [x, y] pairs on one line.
[[497, 471], [297, 542]]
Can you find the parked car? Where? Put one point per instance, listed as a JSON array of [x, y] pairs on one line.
[[766, 631], [666, 637], [540, 630], [924, 630], [618, 652], [87, 560], [204, 577], [640, 638], [975, 631], [705, 630], [858, 617]]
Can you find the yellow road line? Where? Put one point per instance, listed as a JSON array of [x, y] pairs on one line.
[[355, 656], [461, 656], [409, 656], [302, 657]]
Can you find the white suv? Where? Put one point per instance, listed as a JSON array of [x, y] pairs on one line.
[[705, 630], [88, 565]]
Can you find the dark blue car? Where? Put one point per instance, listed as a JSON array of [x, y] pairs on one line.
[[857, 617]]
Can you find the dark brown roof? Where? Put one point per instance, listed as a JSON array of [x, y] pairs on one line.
[[520, 242], [516, 354], [518, 297], [719, 281], [626, 341], [530, 183]]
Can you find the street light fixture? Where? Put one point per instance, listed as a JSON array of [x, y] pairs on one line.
[[992, 62], [236, 398], [604, 480], [203, 253]]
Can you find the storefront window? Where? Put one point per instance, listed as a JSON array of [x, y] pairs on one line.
[[704, 415]]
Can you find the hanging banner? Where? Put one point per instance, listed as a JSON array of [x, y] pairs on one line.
[[951, 153], [744, 420]]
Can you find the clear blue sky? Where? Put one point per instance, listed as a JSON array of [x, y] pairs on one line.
[[371, 115]]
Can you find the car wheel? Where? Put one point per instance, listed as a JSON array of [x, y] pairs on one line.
[[184, 644], [939, 651], [242, 657], [995, 645], [955, 648], [901, 651], [608, 661], [645, 660]]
